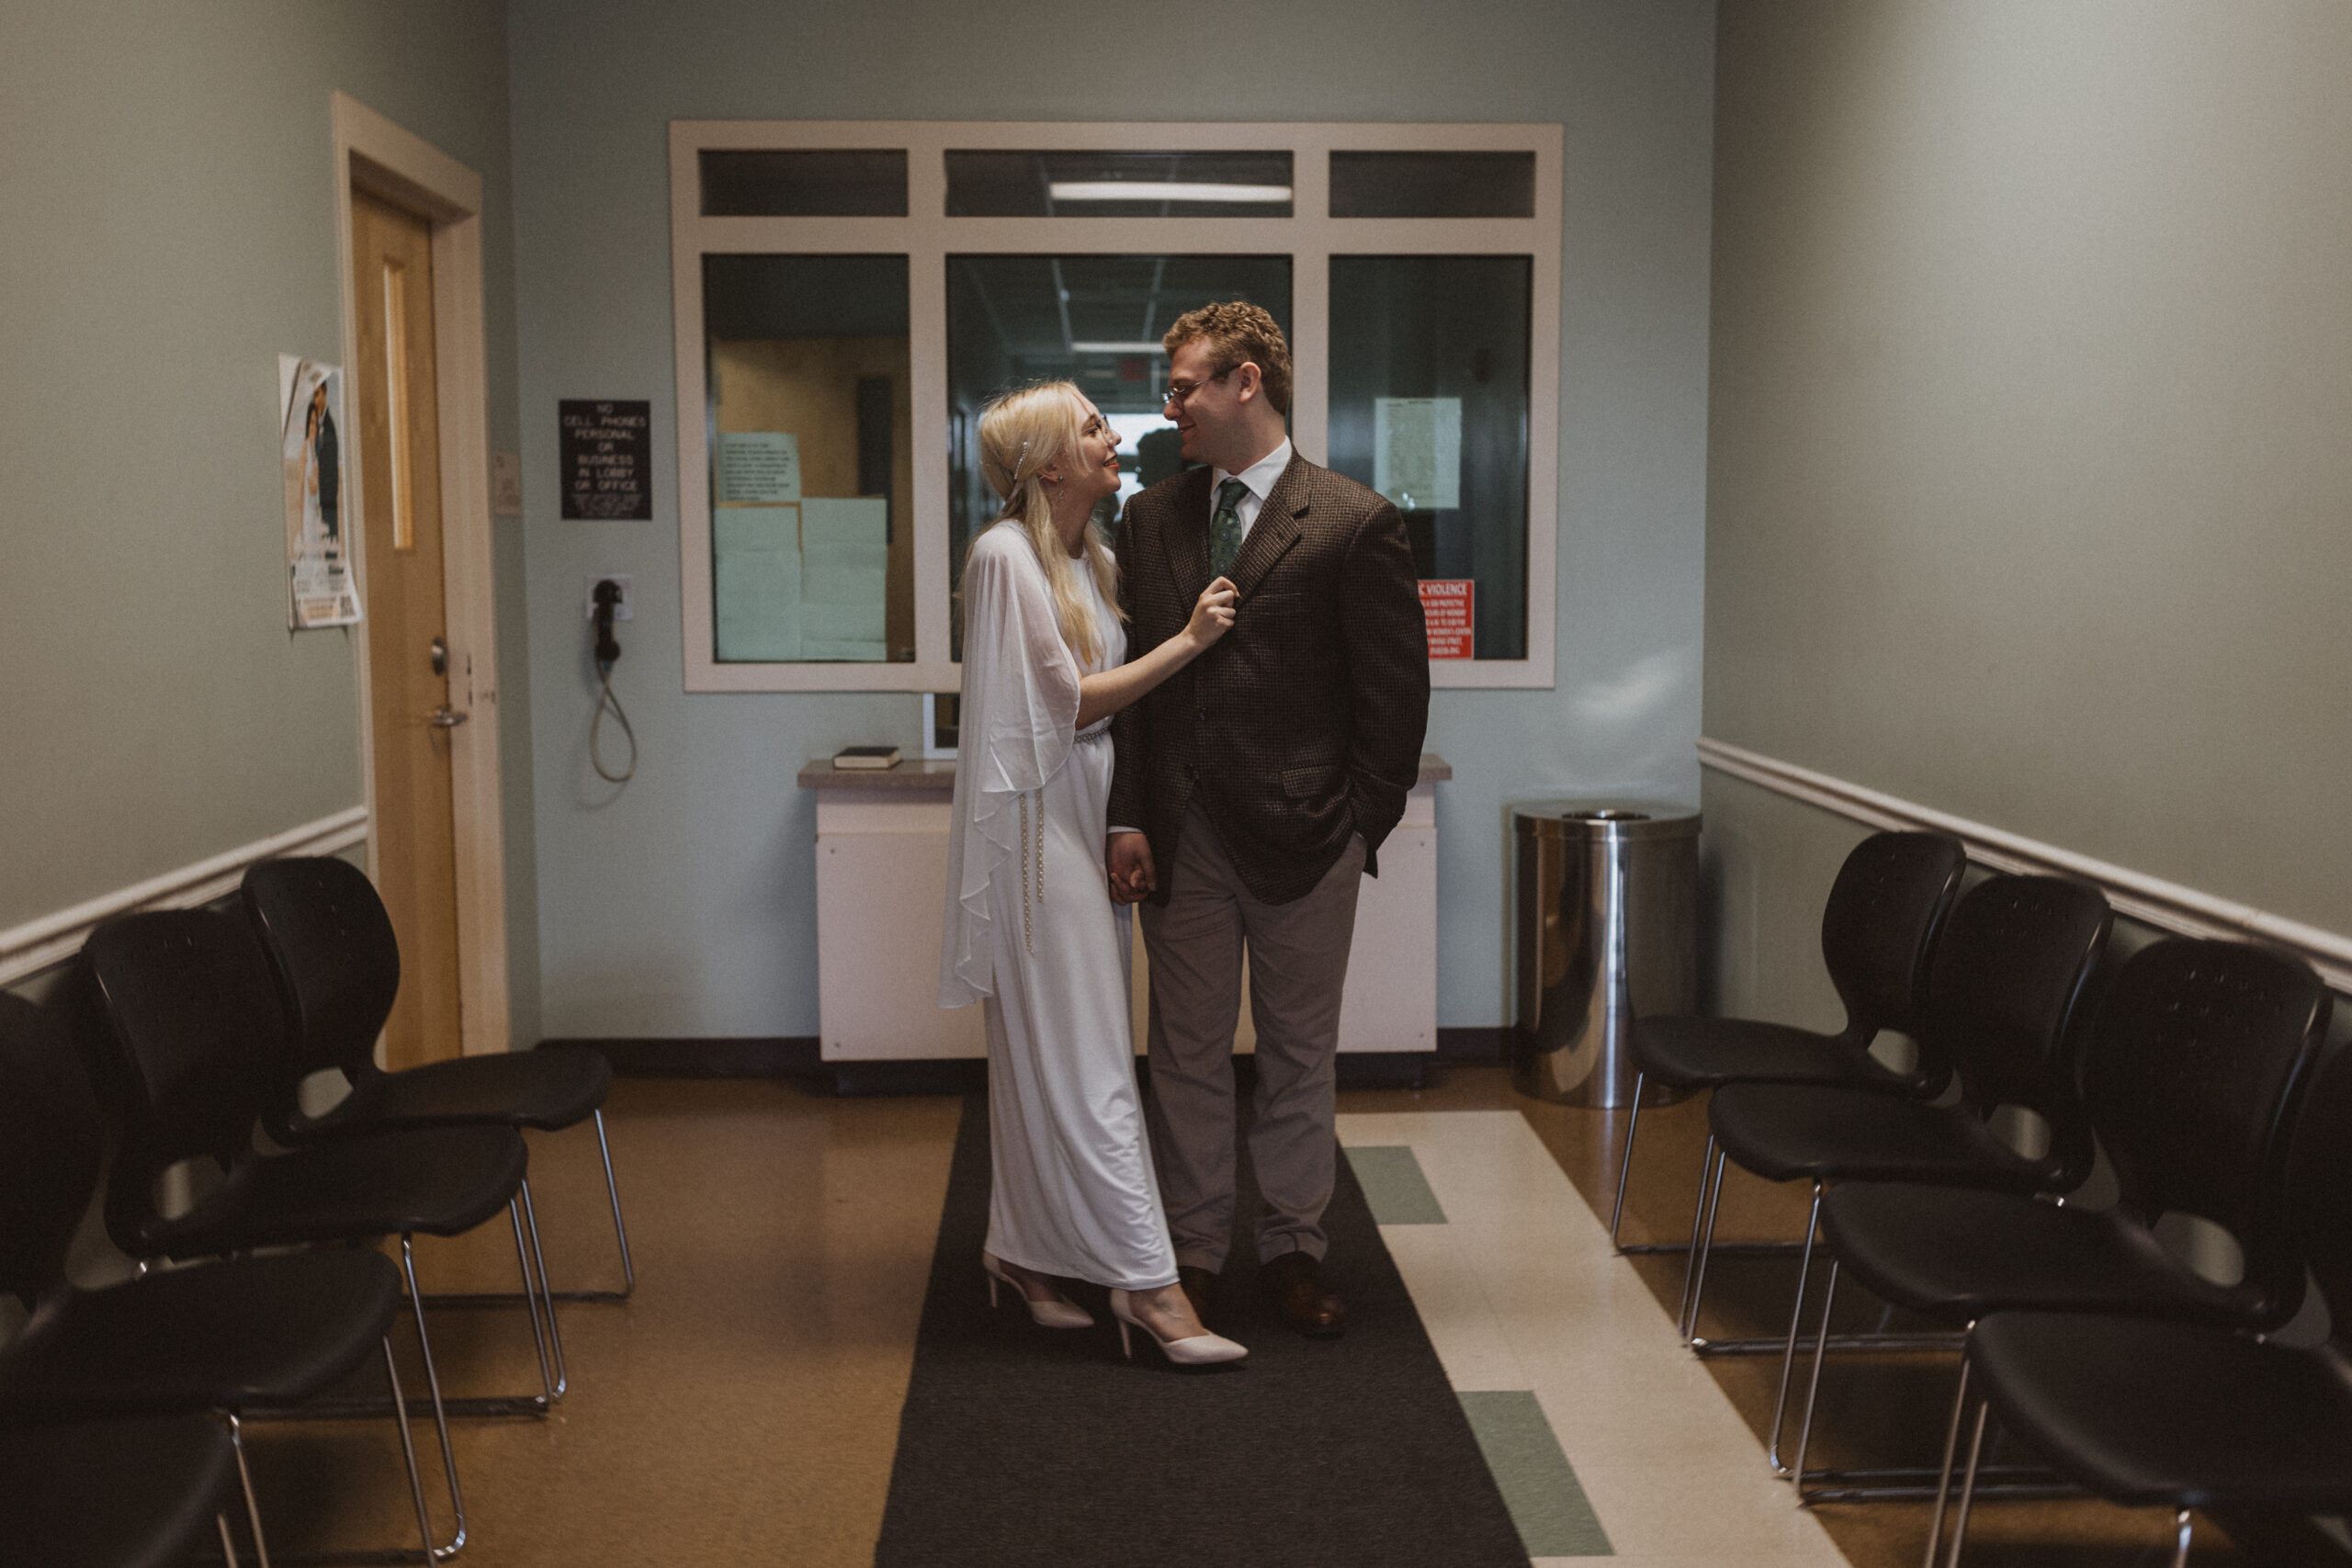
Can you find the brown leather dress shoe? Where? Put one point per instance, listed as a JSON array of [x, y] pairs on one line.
[[1199, 1284], [1293, 1283]]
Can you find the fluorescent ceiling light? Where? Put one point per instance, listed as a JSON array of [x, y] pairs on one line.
[[1115, 348], [1163, 190]]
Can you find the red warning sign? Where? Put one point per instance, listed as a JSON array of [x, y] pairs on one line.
[[1445, 604]]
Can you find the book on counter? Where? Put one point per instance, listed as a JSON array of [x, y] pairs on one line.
[[873, 757]]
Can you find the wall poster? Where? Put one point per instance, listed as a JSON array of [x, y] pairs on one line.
[[1446, 605], [1416, 452], [759, 467], [607, 459], [321, 590]]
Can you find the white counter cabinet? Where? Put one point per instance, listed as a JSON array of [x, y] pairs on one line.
[[882, 885]]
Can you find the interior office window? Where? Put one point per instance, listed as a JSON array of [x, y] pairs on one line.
[[811, 459], [1094, 320], [1070, 184], [826, 181], [1429, 385], [848, 295], [1433, 185]]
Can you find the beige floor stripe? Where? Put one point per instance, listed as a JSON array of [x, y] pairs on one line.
[[1520, 1290]]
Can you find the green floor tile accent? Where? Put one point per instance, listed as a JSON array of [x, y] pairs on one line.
[[1393, 1184], [1538, 1486]]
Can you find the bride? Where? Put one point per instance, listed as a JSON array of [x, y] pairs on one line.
[[1030, 930]]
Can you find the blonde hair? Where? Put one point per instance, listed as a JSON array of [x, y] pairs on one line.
[[1022, 433]]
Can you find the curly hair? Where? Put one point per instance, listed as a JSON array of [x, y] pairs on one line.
[[1237, 332]]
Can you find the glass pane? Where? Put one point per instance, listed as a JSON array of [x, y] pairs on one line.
[[1433, 185], [1428, 406], [1096, 320], [830, 183], [1118, 185], [811, 458]]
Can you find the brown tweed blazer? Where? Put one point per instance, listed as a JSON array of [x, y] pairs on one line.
[[1303, 725]]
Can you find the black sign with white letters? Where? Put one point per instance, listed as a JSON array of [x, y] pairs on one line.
[[607, 459]]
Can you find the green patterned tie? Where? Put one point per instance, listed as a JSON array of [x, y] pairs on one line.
[[1225, 529]]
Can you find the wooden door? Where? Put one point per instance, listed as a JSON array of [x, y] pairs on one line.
[[408, 686]]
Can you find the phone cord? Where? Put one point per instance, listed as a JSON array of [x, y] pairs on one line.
[[606, 699]]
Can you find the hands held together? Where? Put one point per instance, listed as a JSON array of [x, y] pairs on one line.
[[1128, 857]]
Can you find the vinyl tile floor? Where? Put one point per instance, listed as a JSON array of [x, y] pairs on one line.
[[744, 1407]]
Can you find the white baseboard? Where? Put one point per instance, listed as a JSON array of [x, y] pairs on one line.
[[40, 944], [2168, 906]]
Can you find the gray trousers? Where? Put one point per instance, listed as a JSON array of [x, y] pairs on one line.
[[1298, 963]]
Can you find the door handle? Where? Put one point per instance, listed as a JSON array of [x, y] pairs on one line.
[[447, 718]]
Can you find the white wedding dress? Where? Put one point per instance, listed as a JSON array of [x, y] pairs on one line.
[[1032, 934]]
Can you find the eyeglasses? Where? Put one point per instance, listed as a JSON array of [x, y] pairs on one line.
[[1098, 425], [1179, 390]]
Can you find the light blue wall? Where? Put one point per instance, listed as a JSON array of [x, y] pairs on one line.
[[166, 231], [684, 905]]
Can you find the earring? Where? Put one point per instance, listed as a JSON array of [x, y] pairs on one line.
[[1051, 479]]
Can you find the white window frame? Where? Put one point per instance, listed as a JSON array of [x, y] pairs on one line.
[[927, 237]]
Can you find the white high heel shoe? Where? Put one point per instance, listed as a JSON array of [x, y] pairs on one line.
[[1193, 1350], [1056, 1311]]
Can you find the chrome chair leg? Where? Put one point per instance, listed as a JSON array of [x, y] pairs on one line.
[[470, 1404], [547, 1297], [440, 1409], [1906, 1484], [1785, 1344], [1645, 1249], [398, 1404], [2181, 1525], [621, 1237], [427, 1552], [1951, 1446], [531, 1301], [245, 1481], [551, 1382], [1812, 1387], [1796, 1318], [620, 1228], [408, 1454], [1625, 1162], [1968, 1487], [1702, 1229], [1690, 1252], [1706, 1253], [1707, 1239]]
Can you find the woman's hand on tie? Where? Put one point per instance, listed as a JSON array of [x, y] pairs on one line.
[[1212, 615]]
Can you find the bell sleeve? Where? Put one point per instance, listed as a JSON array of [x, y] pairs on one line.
[[1016, 725]]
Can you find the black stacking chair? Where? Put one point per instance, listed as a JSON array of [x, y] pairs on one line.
[[1877, 931], [2014, 961], [338, 968], [149, 1358], [2189, 1415], [2195, 1068], [115, 1494], [193, 1011]]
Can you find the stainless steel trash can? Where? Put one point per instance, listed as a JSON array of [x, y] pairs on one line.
[[1606, 932]]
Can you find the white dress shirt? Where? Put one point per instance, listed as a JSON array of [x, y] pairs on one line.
[[1260, 476]]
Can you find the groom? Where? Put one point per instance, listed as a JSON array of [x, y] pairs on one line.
[[1253, 789]]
